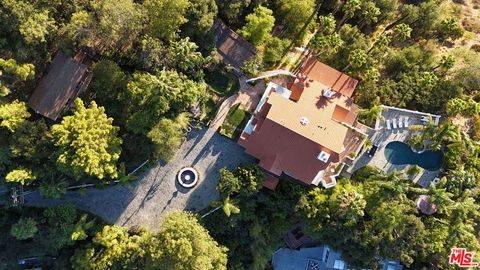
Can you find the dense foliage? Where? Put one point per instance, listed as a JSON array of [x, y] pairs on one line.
[[148, 61], [181, 243]]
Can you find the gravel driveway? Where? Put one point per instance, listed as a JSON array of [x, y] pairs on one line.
[[156, 192]]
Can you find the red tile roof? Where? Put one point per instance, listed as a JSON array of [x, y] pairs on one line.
[[270, 182], [329, 76], [284, 144]]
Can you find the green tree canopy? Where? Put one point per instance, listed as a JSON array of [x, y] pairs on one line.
[[37, 27], [31, 140], [12, 73], [181, 243], [186, 245], [450, 28], [151, 96], [109, 27], [200, 15], [229, 184], [87, 143], [12, 115], [167, 136], [259, 25], [24, 229], [165, 17], [294, 15], [21, 176], [113, 248]]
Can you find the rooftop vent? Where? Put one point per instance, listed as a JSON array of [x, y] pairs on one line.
[[323, 156], [304, 121], [328, 93]]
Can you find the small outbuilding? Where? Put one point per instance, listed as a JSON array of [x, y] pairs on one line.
[[66, 78], [232, 48]]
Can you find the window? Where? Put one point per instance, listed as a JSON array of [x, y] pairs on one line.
[[339, 264], [326, 255]]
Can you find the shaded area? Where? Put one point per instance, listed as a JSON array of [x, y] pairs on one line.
[[400, 153], [157, 191]]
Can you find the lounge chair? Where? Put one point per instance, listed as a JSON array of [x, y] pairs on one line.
[[394, 123], [406, 122], [400, 122], [388, 124]]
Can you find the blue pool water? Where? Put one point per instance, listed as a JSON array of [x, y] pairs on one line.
[[400, 153]]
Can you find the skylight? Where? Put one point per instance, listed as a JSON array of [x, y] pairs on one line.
[[328, 93], [323, 156], [304, 121]]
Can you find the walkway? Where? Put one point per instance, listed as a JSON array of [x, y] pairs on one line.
[[157, 192], [271, 73], [248, 96]]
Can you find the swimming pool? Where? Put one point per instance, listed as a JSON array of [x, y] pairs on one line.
[[400, 153]]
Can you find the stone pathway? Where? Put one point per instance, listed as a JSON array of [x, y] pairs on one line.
[[157, 191], [248, 96]]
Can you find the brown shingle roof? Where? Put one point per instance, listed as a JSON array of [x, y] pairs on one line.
[[65, 79], [231, 47]]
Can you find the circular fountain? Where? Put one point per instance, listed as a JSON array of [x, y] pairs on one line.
[[187, 177]]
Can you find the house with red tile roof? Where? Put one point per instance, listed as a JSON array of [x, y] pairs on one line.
[[305, 130]]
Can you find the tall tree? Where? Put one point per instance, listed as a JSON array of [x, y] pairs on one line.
[[11, 73], [185, 245], [31, 140], [20, 176], [37, 27], [114, 248], [233, 10], [349, 8], [165, 17], [295, 15], [167, 136], [259, 25], [201, 15], [12, 115], [87, 143], [151, 96], [25, 228]]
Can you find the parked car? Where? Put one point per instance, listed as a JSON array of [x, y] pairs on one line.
[[372, 151]]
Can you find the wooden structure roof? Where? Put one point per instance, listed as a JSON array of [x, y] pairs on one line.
[[65, 80], [232, 48]]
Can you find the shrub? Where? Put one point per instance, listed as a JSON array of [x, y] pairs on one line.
[[25, 228]]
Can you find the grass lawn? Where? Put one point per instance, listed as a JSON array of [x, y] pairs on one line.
[[234, 123], [222, 82]]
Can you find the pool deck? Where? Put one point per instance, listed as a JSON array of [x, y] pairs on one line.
[[381, 136]]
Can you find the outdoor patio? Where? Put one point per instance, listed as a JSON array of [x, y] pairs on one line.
[[381, 136]]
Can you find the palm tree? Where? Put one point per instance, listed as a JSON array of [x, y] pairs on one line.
[[369, 116], [402, 32], [447, 132], [123, 177], [229, 207], [441, 198], [356, 58], [349, 8], [447, 62]]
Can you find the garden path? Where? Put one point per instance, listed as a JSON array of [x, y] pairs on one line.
[[248, 96]]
